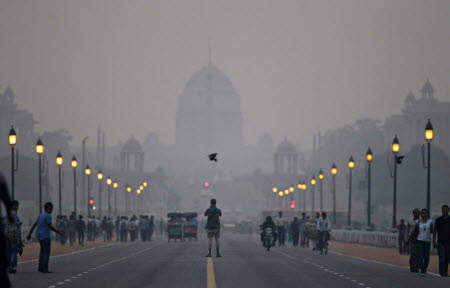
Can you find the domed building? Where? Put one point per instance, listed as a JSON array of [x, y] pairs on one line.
[[209, 117], [132, 156], [286, 158]]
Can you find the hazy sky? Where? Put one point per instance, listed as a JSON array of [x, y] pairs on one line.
[[300, 66]]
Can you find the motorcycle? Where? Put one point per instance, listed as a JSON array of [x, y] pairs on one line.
[[268, 238]]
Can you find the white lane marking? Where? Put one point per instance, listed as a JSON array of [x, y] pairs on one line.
[[285, 255], [52, 286], [378, 262], [69, 254], [80, 275], [362, 284], [67, 280], [60, 283]]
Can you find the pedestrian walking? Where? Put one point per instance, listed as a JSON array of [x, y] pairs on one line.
[[13, 238], [213, 226], [143, 227], [411, 243], [151, 227], [295, 228], [72, 228], [424, 229], [442, 230], [302, 225], [81, 230], [44, 225], [124, 229], [4, 197], [281, 229], [401, 236], [117, 226]]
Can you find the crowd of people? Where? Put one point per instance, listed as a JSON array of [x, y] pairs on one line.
[[301, 231], [420, 234]]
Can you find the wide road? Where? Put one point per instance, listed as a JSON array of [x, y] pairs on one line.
[[244, 264]]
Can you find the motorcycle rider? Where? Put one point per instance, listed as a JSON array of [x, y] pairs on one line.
[[269, 224], [324, 229]]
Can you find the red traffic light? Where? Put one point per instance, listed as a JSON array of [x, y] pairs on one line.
[[91, 202], [293, 204], [206, 184]]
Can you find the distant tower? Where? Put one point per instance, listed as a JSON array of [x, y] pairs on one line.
[[285, 158], [427, 90], [132, 156]]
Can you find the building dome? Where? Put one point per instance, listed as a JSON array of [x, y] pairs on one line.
[[132, 146], [209, 88], [286, 147], [427, 90]]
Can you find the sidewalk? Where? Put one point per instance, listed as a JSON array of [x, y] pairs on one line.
[[386, 255], [31, 250]]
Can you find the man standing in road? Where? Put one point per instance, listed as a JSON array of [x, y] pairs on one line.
[[44, 225], [442, 229], [213, 226], [413, 260]]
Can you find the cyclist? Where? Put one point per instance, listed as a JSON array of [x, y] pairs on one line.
[[324, 229]]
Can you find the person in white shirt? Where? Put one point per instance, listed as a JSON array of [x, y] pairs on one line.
[[424, 229], [323, 228]]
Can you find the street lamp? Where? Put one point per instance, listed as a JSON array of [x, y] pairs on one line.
[[127, 198], [369, 158], [74, 165], [12, 139], [59, 162], [429, 134], [274, 189], [141, 187], [109, 182], [395, 150], [334, 172], [351, 165], [87, 171], [115, 185], [313, 183], [145, 183], [321, 176], [40, 151], [100, 177]]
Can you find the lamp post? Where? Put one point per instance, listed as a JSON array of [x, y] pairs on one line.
[[313, 190], [127, 199], [115, 185], [40, 151], [429, 134], [12, 139], [83, 164], [334, 172], [304, 196], [87, 171], [351, 165], [321, 176], [369, 158], [395, 150], [109, 182], [100, 177], [59, 162], [74, 165]]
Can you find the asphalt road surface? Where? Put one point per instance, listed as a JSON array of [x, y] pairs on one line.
[[245, 263]]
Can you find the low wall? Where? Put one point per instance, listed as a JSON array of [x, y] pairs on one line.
[[381, 239]]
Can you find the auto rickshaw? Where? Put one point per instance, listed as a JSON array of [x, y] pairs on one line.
[[190, 225], [174, 227]]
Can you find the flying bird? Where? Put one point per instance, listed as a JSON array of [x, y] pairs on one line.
[[213, 157]]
